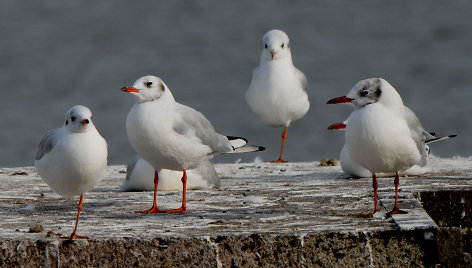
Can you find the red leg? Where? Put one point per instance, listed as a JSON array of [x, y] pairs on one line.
[[284, 136], [396, 210], [183, 208], [74, 235], [154, 208], [375, 185]]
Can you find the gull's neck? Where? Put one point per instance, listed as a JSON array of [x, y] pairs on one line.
[[285, 60], [167, 97]]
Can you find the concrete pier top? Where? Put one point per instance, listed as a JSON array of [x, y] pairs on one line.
[[300, 201]]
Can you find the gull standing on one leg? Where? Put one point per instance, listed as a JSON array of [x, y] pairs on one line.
[[72, 159], [277, 92]]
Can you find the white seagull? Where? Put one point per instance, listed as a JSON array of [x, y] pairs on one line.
[[383, 135], [352, 168], [72, 159], [139, 172], [277, 93], [169, 135]]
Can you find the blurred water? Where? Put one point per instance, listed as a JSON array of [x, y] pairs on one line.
[[55, 54]]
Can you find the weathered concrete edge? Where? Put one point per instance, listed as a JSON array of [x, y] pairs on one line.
[[379, 248]]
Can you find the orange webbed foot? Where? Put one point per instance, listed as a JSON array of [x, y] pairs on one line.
[[150, 211], [179, 210]]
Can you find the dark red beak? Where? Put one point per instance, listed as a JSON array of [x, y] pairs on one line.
[[336, 126], [129, 89], [342, 99], [84, 122]]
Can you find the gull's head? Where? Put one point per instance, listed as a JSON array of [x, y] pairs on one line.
[[79, 119], [368, 91], [276, 45], [147, 88]]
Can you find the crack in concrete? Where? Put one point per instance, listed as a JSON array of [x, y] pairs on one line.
[[369, 248], [214, 245]]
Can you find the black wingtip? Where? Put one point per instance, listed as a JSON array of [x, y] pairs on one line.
[[261, 148], [440, 138], [236, 138]]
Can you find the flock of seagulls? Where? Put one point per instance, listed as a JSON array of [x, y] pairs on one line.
[[174, 142]]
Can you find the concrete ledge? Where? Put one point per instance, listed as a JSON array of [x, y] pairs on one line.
[[297, 214], [343, 249]]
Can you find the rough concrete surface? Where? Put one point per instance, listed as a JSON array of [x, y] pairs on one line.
[[272, 215]]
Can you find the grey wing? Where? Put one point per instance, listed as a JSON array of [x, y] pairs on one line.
[[415, 125], [193, 123], [301, 76], [47, 143], [417, 131]]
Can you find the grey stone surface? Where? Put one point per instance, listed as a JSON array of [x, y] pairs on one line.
[[296, 214]]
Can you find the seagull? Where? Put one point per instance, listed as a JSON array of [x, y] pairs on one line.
[[139, 171], [352, 168], [170, 135], [382, 134], [277, 92], [72, 159]]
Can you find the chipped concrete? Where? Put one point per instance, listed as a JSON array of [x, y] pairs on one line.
[[296, 214]]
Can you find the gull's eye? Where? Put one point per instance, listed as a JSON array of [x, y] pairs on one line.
[[265, 46], [72, 118], [283, 45], [149, 84], [364, 92]]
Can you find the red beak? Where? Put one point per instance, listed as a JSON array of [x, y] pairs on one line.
[[337, 126], [84, 122], [130, 89], [273, 52], [342, 99]]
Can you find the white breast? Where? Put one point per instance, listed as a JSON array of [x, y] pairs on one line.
[[380, 140], [276, 94], [75, 164]]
